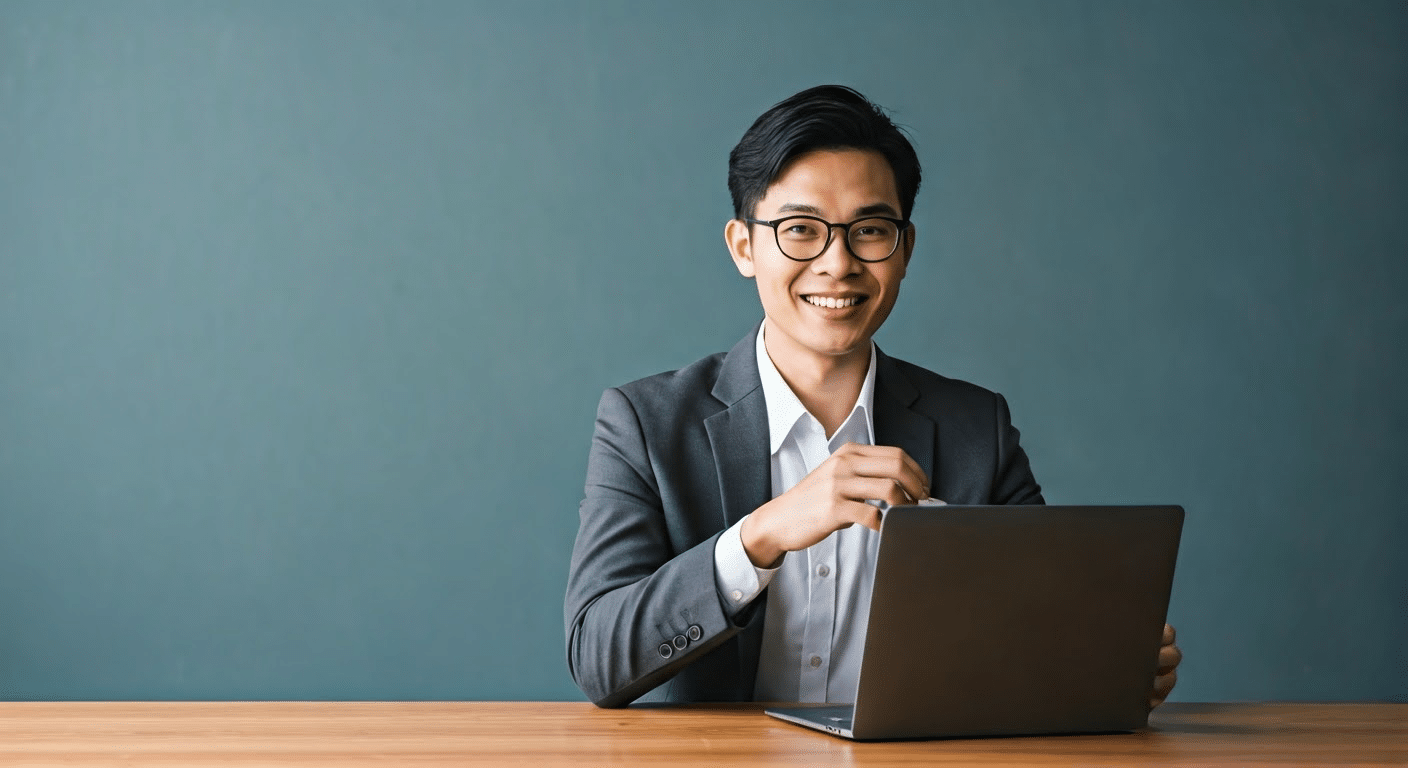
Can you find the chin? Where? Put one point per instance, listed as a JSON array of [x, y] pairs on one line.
[[838, 346]]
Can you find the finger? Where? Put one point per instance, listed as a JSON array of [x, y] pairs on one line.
[[864, 514], [907, 468], [1169, 658], [1163, 685], [862, 488], [1169, 634], [893, 463]]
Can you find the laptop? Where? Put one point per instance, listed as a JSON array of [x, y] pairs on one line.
[[1010, 620]]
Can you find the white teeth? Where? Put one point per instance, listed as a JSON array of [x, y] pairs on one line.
[[832, 303]]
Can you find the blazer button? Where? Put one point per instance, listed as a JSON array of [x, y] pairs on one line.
[[666, 651], [680, 642], [695, 632]]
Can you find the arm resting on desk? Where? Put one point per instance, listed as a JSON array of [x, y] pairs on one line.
[[633, 597]]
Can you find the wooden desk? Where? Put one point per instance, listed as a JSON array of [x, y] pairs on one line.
[[580, 735]]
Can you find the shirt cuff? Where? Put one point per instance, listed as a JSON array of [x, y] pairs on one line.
[[735, 576]]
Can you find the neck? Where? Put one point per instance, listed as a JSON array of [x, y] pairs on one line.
[[827, 385]]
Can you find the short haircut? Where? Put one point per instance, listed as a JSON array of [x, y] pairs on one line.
[[824, 117]]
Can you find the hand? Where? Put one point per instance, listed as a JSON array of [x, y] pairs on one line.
[[1169, 657], [832, 497]]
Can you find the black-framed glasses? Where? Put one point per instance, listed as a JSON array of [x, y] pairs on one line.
[[803, 238]]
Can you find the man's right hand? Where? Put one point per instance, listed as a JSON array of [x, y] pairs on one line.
[[831, 497]]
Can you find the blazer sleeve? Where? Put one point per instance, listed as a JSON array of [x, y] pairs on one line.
[[639, 606]]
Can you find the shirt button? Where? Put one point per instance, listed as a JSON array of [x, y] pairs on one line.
[[737, 596], [823, 571], [816, 661]]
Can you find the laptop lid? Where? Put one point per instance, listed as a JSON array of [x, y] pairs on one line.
[[1014, 620]]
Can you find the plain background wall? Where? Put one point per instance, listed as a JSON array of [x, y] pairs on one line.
[[305, 308]]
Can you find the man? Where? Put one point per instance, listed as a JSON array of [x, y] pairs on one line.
[[728, 534]]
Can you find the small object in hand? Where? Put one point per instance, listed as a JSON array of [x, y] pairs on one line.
[[884, 506]]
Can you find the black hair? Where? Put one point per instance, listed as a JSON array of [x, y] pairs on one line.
[[824, 117]]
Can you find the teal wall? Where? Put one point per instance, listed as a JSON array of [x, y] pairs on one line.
[[305, 308]]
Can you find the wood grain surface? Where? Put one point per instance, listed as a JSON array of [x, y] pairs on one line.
[[578, 734]]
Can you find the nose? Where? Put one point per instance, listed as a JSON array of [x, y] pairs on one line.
[[837, 260]]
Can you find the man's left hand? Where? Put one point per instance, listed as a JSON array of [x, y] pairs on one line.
[[1169, 657]]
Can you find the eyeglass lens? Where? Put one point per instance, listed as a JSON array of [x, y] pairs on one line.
[[806, 238]]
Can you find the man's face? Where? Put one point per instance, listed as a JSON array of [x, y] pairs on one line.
[[839, 186]]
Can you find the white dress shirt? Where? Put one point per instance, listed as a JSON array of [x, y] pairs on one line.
[[817, 609]]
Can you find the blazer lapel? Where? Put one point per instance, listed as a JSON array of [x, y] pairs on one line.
[[896, 424], [738, 435]]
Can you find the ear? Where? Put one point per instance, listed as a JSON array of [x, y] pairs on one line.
[[740, 246], [908, 244]]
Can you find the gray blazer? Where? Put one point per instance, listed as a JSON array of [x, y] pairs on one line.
[[680, 456]]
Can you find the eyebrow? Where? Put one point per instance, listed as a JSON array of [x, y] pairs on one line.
[[874, 209]]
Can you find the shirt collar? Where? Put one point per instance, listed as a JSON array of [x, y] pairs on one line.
[[784, 409]]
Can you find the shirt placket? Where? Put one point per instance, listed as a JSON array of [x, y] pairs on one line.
[[821, 615], [821, 593]]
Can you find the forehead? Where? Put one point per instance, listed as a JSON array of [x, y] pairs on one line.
[[838, 182]]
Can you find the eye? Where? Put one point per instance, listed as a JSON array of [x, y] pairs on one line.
[[800, 229], [873, 229]]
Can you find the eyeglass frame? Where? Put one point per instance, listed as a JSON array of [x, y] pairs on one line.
[[903, 224]]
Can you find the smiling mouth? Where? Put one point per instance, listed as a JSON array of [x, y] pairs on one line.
[[830, 302]]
